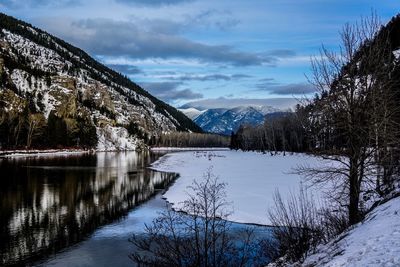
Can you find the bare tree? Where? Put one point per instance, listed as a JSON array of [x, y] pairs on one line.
[[198, 236], [36, 124], [355, 90]]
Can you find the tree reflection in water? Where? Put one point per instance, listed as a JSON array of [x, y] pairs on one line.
[[50, 203]]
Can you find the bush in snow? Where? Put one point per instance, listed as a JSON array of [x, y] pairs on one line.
[[300, 226], [198, 236]]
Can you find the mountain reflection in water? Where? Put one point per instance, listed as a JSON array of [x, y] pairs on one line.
[[50, 203]]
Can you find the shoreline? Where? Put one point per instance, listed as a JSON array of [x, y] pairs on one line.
[[251, 179], [183, 149], [72, 151], [41, 152]]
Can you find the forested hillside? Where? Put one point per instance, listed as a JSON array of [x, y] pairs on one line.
[[53, 94]]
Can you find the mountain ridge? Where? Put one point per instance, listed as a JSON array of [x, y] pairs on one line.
[[52, 84], [227, 120]]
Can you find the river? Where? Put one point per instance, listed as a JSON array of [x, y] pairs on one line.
[[78, 209]]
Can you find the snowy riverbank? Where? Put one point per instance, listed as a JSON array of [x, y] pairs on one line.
[[57, 152], [41, 152], [252, 178]]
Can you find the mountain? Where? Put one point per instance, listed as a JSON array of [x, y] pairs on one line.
[[224, 121], [53, 94], [278, 103], [191, 113]]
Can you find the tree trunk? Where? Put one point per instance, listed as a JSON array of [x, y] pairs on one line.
[[354, 193]]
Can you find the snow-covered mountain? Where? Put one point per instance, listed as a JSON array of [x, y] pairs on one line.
[[191, 113], [54, 94], [224, 121], [284, 103]]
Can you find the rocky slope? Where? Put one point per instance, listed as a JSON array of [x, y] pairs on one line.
[[54, 94]]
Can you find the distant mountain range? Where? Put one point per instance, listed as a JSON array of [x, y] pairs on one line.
[[283, 103], [227, 120]]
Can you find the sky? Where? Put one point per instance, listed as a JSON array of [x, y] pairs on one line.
[[203, 50]]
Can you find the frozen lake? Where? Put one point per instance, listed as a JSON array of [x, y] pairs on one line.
[[251, 178]]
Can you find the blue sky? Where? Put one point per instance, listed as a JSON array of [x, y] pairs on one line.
[[190, 50]]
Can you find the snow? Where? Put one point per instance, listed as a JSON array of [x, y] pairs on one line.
[[51, 61], [373, 242], [252, 178], [192, 113], [224, 121], [115, 138], [39, 56], [40, 153], [396, 53]]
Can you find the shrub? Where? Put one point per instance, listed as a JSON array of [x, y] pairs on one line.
[[199, 236]]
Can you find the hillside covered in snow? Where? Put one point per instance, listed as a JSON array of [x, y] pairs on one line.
[[53, 94], [373, 242]]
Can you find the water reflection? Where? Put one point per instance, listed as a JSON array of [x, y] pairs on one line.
[[49, 203]]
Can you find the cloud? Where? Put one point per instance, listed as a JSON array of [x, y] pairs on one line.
[[222, 102], [267, 80], [282, 53], [152, 2], [286, 89], [222, 20], [209, 77], [212, 77], [168, 91], [266, 84], [16, 4], [205, 19], [106, 37], [125, 69], [294, 89], [240, 76]]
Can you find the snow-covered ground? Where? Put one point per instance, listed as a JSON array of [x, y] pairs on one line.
[[43, 152], [252, 178], [373, 242]]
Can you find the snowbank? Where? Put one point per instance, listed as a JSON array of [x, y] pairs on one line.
[[373, 242], [251, 178], [38, 152]]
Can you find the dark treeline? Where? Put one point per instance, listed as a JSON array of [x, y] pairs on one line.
[[30, 129], [184, 139], [279, 133]]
